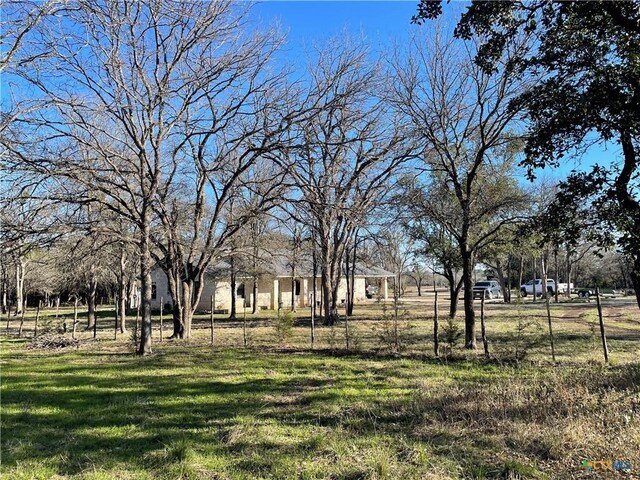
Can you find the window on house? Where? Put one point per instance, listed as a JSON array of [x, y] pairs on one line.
[[154, 291]]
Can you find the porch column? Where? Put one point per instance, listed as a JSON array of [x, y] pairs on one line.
[[305, 293], [385, 286], [275, 294]]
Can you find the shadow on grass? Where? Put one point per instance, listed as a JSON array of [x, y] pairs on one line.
[[82, 409]]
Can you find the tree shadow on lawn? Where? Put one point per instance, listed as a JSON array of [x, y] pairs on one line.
[[87, 418], [132, 411]]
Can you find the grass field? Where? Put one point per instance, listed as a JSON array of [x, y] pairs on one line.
[[277, 409]]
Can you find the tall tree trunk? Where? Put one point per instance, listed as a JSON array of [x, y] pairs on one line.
[[122, 292], [348, 284], [454, 293], [502, 279], [5, 287], [256, 252], [146, 283], [535, 288], [91, 300], [186, 291], [174, 282], [293, 286], [352, 292], [232, 263], [520, 273], [254, 303], [568, 268], [629, 203], [634, 274], [313, 295], [324, 285], [469, 312], [333, 311], [555, 272], [544, 266], [508, 292], [20, 272]]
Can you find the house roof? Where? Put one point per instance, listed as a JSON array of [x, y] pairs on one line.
[[304, 268], [280, 267]]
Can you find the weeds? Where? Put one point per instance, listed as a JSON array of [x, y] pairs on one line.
[[284, 327]]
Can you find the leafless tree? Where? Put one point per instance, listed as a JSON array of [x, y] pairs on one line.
[[342, 160], [163, 95], [462, 117]]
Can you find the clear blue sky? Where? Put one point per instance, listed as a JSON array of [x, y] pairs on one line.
[[382, 23]]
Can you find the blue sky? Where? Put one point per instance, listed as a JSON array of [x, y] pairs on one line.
[[382, 23]]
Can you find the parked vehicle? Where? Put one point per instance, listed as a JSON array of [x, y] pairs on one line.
[[564, 287], [586, 292], [528, 288], [371, 291], [488, 289]]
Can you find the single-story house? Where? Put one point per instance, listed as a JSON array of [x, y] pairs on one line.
[[273, 288]]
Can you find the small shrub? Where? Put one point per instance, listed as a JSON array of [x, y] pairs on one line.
[[394, 331], [284, 327], [449, 335]]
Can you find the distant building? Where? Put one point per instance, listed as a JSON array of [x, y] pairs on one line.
[[273, 288]]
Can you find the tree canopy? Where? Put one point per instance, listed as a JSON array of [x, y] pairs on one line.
[[587, 55]]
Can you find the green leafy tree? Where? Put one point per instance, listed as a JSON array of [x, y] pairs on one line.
[[588, 55]]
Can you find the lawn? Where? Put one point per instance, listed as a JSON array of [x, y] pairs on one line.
[[285, 411]]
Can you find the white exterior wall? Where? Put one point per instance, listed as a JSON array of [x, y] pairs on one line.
[[223, 292], [267, 288]]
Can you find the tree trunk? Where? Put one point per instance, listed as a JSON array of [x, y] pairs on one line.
[[555, 272], [5, 287], [324, 286], [520, 272], [634, 274], [348, 283], [436, 348], [313, 295], [624, 193], [454, 295], [503, 281], [469, 312], [508, 292], [91, 301], [254, 303], [186, 291], [568, 272], [293, 287], [535, 291], [122, 292], [351, 296], [20, 272], [146, 283], [173, 281], [543, 264], [232, 314]]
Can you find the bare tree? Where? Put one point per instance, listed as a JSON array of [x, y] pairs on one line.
[[143, 111], [342, 159], [462, 117], [419, 274]]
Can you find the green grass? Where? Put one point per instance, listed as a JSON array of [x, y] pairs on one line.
[[98, 412], [278, 409]]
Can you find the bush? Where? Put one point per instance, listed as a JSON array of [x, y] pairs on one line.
[[284, 327], [449, 334]]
